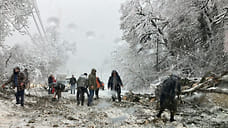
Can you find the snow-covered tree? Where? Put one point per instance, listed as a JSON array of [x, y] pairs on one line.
[[14, 16], [42, 55], [185, 37]]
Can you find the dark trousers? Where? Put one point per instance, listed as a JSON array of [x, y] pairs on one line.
[[80, 95], [91, 94], [167, 103], [20, 97], [97, 93], [59, 93]]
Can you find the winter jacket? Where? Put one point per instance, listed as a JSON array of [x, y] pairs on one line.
[[73, 80], [20, 79], [82, 81], [111, 85], [92, 80], [169, 89]]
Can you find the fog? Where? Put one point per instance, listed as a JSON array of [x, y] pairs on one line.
[[92, 24]]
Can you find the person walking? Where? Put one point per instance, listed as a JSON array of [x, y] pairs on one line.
[[51, 83], [82, 84], [18, 81], [171, 87], [72, 83], [115, 83], [100, 84], [92, 86]]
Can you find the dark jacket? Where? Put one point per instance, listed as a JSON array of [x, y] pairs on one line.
[[73, 80], [50, 80], [169, 89], [20, 79], [110, 81], [92, 80]]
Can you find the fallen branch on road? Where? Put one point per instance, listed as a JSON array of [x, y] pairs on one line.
[[215, 90], [195, 88]]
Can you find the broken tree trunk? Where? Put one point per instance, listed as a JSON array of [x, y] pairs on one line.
[[195, 88], [214, 90]]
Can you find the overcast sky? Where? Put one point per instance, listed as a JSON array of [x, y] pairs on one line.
[[92, 24]]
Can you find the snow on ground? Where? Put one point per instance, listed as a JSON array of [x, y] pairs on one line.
[[41, 112]]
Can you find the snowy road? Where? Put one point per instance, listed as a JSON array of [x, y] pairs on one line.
[[41, 112]]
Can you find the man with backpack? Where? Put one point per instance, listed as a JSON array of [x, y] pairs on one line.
[[72, 83], [82, 88]]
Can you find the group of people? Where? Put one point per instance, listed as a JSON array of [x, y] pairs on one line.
[[93, 83], [90, 85], [55, 87], [19, 81], [169, 89]]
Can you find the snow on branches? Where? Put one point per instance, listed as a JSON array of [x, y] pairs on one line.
[[185, 37]]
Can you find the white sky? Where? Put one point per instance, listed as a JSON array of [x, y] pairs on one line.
[[99, 16]]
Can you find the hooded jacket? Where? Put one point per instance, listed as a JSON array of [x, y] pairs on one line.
[[92, 80], [110, 81]]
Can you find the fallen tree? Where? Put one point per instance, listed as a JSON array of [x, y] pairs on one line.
[[209, 84]]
